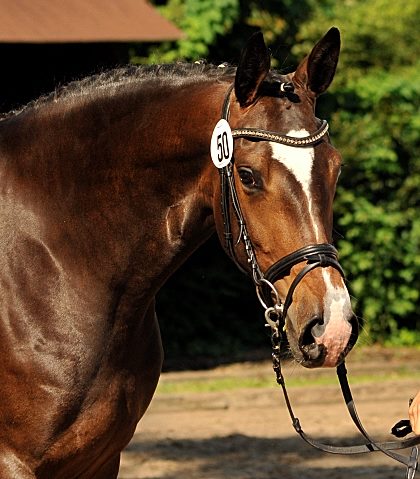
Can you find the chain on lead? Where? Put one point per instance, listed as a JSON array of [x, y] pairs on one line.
[[275, 344]]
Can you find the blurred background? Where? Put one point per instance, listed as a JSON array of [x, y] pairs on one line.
[[208, 311]]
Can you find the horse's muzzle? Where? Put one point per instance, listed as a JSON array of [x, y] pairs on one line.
[[327, 343]]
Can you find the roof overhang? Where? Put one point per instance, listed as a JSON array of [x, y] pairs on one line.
[[79, 21]]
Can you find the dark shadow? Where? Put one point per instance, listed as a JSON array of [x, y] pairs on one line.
[[209, 313], [246, 457], [31, 70]]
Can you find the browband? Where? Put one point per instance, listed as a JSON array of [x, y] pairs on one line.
[[267, 135]]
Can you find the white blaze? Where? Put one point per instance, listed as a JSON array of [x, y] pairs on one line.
[[337, 306], [337, 309], [299, 162]]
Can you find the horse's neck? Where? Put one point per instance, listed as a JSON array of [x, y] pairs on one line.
[[134, 183], [185, 179]]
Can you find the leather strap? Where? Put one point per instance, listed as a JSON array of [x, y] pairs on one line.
[[315, 255], [387, 447]]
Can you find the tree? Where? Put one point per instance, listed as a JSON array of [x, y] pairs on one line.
[[218, 29]]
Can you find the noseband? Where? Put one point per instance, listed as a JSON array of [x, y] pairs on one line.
[[315, 256]]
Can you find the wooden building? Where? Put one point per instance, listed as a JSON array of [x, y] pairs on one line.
[[44, 43]]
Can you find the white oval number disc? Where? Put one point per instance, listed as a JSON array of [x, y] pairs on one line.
[[221, 147]]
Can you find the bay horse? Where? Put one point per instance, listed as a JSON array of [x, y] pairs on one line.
[[106, 188]]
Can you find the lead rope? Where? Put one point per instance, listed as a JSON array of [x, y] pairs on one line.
[[411, 462]]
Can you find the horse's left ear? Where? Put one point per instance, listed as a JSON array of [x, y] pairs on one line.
[[317, 70], [253, 67]]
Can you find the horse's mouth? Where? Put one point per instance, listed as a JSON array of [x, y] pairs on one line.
[[326, 350]]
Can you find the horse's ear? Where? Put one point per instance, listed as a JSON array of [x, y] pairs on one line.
[[253, 67], [317, 70]]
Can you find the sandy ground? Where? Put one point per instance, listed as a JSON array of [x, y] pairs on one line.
[[246, 433]]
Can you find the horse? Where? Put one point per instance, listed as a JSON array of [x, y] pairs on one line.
[[107, 186]]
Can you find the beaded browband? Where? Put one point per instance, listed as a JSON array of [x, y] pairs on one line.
[[259, 134]]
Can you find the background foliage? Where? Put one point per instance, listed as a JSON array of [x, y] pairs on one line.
[[373, 108], [376, 124]]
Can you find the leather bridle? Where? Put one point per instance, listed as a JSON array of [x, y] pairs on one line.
[[315, 256]]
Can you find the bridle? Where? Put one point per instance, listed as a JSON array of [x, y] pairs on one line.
[[315, 256]]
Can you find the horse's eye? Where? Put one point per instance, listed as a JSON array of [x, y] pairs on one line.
[[247, 177]]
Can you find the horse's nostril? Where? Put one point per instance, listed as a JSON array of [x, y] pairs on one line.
[[311, 351], [314, 329], [318, 329], [307, 343]]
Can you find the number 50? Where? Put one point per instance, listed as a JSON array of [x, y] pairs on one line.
[[223, 152]]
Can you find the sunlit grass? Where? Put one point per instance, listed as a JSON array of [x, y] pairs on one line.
[[205, 385], [213, 384]]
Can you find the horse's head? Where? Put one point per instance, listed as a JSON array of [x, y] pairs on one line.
[[282, 193]]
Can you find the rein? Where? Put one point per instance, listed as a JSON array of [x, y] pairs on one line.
[[316, 256], [387, 448]]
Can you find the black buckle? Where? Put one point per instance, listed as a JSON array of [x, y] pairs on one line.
[[402, 428]]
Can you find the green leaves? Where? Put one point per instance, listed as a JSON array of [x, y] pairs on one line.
[[201, 21], [375, 125], [218, 29], [374, 111]]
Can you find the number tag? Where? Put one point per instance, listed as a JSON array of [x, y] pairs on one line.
[[221, 147]]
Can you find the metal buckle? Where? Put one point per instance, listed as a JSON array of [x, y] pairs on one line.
[[277, 303], [412, 465], [272, 323]]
